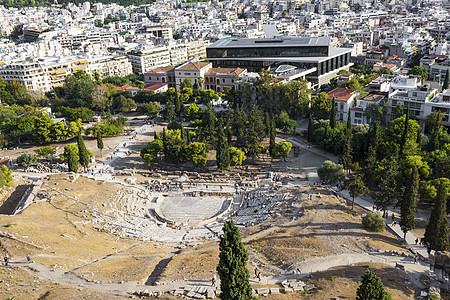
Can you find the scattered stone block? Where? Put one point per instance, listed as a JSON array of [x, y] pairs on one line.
[[262, 291], [274, 290], [288, 289], [210, 294], [179, 292], [191, 294], [309, 287]]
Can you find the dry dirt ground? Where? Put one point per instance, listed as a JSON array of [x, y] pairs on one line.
[[58, 234]]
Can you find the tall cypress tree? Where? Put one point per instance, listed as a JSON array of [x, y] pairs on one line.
[[371, 288], [222, 149], [232, 269], [349, 120], [408, 202], [436, 231], [82, 151], [310, 128], [333, 113], [164, 139], [72, 161], [446, 81], [183, 134], [100, 142], [405, 132], [267, 125], [273, 135]]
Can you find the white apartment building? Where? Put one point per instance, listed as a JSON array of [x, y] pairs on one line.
[[407, 91], [357, 112], [440, 103], [196, 50], [109, 66], [28, 73], [57, 69], [146, 60]]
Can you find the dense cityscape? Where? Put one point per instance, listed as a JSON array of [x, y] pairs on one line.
[[232, 149]]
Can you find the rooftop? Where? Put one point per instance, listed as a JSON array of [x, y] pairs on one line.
[[272, 42], [340, 94], [228, 71], [194, 66]]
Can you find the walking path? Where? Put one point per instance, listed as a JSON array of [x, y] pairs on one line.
[[410, 238]]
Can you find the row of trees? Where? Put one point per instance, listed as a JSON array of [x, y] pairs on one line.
[[397, 162], [29, 124]]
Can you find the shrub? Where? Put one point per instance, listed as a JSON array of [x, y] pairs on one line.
[[374, 221], [26, 159]]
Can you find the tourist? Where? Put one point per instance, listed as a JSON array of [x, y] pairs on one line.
[[415, 258], [259, 276], [298, 272], [28, 258], [213, 280], [417, 240], [6, 259], [256, 272]]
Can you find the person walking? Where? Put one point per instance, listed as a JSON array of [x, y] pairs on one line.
[[213, 280], [28, 258], [6, 259], [259, 276], [256, 272]]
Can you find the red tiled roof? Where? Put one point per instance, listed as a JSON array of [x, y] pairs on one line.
[[229, 71], [161, 70], [340, 94], [154, 86], [194, 66]]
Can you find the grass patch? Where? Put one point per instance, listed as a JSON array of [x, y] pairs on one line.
[[352, 213], [366, 266], [391, 279], [9, 225], [306, 292], [136, 258], [331, 278]]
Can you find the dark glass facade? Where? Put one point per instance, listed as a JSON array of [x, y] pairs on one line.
[[307, 51]]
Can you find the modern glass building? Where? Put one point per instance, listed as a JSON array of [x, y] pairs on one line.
[[301, 52]]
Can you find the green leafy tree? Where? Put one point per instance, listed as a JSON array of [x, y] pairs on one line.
[[421, 72], [237, 156], [281, 150], [72, 160], [330, 173], [284, 123], [436, 231], [355, 187], [186, 83], [321, 106], [5, 177], [446, 81], [196, 152], [222, 149], [100, 142], [82, 151], [371, 288], [333, 113], [26, 159], [150, 152], [173, 145], [169, 113], [45, 151], [192, 110], [408, 202], [374, 221], [386, 194], [232, 268], [78, 90]]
